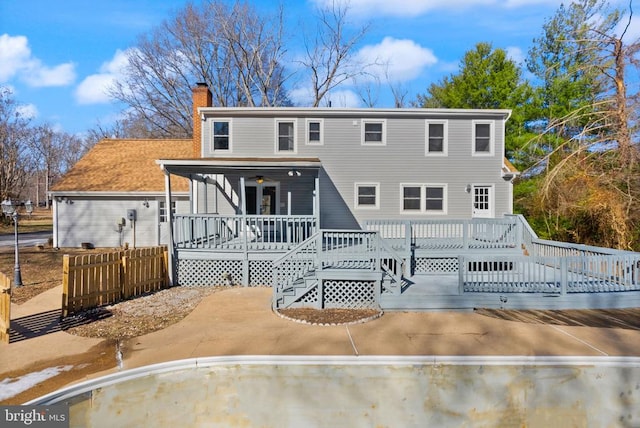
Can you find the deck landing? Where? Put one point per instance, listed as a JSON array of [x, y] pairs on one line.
[[628, 319]]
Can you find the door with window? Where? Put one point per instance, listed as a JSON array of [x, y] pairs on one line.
[[482, 201], [262, 199]]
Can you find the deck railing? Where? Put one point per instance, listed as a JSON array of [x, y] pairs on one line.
[[294, 266], [338, 249], [549, 275], [446, 234], [237, 232]]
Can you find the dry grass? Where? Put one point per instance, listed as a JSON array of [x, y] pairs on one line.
[[39, 221], [41, 269]]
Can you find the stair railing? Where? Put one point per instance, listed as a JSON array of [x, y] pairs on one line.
[[294, 265]]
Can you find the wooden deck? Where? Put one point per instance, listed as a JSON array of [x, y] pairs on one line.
[[628, 319], [441, 292]]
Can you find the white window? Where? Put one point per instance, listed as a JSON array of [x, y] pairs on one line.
[[423, 198], [483, 139], [367, 195], [221, 135], [163, 210], [374, 132], [285, 135], [315, 131], [436, 138]]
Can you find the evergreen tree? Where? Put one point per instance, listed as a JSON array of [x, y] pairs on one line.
[[487, 79]]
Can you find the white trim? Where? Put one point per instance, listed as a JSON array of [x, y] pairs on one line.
[[363, 125], [260, 194], [423, 209], [294, 121], [306, 135], [492, 137], [356, 195], [212, 143], [445, 138], [490, 213]]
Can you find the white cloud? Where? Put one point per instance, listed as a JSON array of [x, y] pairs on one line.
[[515, 54], [14, 52], [342, 98], [16, 60], [396, 60], [28, 111], [303, 96], [41, 76], [93, 89]]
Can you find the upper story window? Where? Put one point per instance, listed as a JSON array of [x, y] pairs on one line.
[[374, 132], [424, 198], [367, 195], [483, 138], [285, 135], [221, 135], [436, 132], [315, 131]]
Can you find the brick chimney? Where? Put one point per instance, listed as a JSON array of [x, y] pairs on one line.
[[201, 98]]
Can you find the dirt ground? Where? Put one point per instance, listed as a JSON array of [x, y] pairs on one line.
[[41, 270]]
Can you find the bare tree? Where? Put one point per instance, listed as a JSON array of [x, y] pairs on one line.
[[233, 49], [15, 158], [592, 184], [369, 90], [53, 153], [330, 56]]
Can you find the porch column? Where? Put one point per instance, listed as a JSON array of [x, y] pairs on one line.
[[193, 194], [171, 249], [316, 202], [245, 231]]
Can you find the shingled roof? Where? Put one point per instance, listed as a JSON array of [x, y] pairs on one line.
[[125, 166]]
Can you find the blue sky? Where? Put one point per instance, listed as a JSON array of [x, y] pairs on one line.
[[58, 56]]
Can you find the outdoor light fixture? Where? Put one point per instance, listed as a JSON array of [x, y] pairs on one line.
[[145, 203], [11, 210], [294, 172], [468, 188], [259, 179]]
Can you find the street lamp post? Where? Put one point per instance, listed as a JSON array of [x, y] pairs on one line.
[[11, 210]]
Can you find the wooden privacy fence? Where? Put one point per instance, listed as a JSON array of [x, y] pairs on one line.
[[5, 308], [94, 280]]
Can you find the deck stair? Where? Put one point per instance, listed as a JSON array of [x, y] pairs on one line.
[[338, 256]]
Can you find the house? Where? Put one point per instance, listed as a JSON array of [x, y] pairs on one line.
[[336, 207], [114, 195], [264, 180]]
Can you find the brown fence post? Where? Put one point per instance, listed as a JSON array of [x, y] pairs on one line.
[[5, 308], [125, 283], [165, 266], [65, 285]]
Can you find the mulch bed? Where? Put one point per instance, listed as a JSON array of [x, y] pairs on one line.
[[330, 316]]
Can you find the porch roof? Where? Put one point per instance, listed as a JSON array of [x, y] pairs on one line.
[[204, 165]]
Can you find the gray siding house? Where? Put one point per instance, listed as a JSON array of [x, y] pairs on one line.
[[348, 208], [367, 163], [93, 203], [265, 181]]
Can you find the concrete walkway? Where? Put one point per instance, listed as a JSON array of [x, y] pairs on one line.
[[239, 321]]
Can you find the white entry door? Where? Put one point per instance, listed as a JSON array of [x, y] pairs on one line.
[[482, 201]]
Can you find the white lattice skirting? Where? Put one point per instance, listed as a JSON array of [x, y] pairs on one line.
[[435, 265], [349, 294]]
